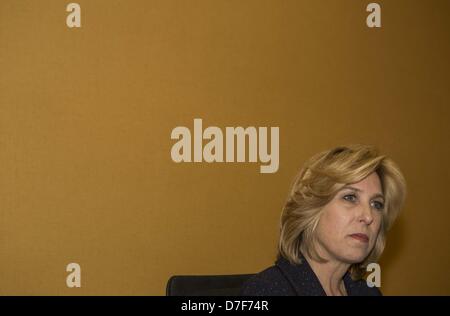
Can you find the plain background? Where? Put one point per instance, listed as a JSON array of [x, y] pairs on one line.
[[86, 116]]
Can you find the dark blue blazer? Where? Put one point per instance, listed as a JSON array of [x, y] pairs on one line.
[[286, 279]]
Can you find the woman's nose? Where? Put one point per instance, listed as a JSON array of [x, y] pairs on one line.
[[366, 215]]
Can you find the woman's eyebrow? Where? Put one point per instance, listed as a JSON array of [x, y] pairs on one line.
[[376, 195]]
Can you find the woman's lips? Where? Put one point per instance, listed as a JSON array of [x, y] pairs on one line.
[[360, 237]]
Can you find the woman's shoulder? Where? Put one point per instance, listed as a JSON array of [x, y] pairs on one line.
[[286, 279], [361, 288], [269, 282]]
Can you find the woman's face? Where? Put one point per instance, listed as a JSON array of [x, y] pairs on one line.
[[350, 222]]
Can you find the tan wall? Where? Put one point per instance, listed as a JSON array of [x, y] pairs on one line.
[[86, 116]]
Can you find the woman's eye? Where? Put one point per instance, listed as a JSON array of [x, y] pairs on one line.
[[378, 205], [350, 197]]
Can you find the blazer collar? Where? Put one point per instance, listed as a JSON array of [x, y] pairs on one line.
[[304, 281]]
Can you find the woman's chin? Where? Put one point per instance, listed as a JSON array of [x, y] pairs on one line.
[[355, 257]]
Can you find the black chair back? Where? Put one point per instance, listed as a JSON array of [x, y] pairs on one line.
[[206, 285]]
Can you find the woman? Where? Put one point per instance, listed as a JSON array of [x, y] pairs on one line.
[[334, 224]]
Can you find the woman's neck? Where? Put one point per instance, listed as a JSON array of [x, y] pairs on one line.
[[331, 275]]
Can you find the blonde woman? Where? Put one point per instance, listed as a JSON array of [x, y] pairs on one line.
[[334, 223]]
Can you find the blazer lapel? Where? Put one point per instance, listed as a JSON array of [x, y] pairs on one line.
[[304, 281], [301, 278], [351, 286]]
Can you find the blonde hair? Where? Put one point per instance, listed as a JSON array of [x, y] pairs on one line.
[[317, 183]]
